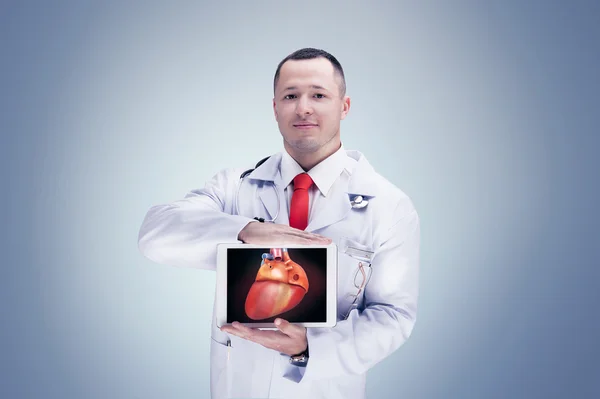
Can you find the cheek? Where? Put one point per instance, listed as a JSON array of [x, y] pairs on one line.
[[283, 113], [329, 113]]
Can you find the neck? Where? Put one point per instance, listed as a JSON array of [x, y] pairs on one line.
[[308, 160]]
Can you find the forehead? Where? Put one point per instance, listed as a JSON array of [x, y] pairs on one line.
[[306, 73]]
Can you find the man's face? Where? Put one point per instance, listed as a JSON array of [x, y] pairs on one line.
[[308, 105]]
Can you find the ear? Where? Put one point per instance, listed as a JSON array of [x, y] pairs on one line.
[[345, 107], [275, 110]]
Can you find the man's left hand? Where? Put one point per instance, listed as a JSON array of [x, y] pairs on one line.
[[289, 338]]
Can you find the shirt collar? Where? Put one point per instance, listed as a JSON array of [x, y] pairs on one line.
[[323, 174]]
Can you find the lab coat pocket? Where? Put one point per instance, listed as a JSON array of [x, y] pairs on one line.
[[354, 271], [356, 250], [219, 369]]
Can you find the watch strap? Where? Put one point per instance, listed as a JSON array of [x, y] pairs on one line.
[[301, 359]]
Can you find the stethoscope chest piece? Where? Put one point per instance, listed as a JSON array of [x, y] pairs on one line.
[[358, 202]]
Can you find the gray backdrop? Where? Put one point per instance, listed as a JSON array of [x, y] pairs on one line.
[[486, 114]]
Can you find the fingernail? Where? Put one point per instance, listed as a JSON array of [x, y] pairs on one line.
[[277, 322]]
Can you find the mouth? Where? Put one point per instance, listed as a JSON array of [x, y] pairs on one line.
[[305, 125]]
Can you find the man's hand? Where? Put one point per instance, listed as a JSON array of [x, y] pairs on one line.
[[278, 234], [289, 339]]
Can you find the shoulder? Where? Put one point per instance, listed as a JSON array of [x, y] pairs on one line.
[[395, 216], [232, 176], [227, 176], [392, 194]]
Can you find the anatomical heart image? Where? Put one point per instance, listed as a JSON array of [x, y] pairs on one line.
[[279, 286], [264, 283]]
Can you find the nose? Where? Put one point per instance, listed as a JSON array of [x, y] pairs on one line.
[[303, 107]]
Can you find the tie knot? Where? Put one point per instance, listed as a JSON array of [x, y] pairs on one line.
[[302, 181]]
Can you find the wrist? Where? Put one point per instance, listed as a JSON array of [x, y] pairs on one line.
[[242, 234], [301, 359], [305, 351]]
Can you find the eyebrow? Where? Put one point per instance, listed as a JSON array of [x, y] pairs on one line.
[[312, 87]]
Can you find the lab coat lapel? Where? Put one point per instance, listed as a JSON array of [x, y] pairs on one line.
[[268, 174], [338, 206], [335, 209], [269, 199], [364, 180]]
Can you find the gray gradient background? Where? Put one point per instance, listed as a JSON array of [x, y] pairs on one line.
[[485, 114]]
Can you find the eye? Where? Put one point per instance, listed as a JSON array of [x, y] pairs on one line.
[[319, 95], [289, 97]]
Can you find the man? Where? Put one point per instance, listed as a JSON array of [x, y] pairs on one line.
[[348, 203]]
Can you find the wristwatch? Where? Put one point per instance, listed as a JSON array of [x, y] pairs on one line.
[[301, 359]]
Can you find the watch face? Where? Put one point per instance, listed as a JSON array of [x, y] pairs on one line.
[[301, 361], [302, 358]]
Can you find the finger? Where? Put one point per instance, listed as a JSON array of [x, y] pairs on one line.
[[238, 330], [243, 329], [307, 236], [249, 334], [288, 230], [288, 328], [302, 233], [302, 240], [284, 232], [316, 241], [233, 331], [287, 234], [268, 339], [252, 332], [285, 239], [313, 236]]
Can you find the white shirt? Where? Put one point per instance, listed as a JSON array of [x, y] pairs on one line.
[[324, 175]]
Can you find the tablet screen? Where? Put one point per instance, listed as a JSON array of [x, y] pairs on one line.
[[266, 283]]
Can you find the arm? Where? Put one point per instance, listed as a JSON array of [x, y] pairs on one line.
[[185, 233], [365, 338]]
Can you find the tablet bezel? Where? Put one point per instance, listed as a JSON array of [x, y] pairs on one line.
[[331, 281]]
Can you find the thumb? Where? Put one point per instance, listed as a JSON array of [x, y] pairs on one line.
[[285, 327]]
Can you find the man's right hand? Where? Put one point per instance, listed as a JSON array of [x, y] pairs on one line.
[[278, 234]]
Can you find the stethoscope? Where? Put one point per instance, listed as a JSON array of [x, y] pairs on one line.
[[237, 196], [358, 202]]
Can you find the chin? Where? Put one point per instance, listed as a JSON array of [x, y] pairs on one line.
[[304, 145]]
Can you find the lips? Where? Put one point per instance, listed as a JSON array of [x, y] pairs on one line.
[[305, 125], [279, 286]]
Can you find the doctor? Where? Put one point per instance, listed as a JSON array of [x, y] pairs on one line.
[[324, 193]]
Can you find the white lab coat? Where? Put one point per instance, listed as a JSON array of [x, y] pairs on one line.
[[186, 233]]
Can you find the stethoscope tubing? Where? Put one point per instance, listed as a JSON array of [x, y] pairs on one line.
[[237, 202]]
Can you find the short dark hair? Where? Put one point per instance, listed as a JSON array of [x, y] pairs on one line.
[[311, 53]]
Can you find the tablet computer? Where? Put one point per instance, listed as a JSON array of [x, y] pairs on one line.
[[258, 283]]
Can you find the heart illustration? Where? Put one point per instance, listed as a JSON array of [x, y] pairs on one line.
[[279, 286]]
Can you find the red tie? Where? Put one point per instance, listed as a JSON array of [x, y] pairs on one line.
[[299, 207]]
